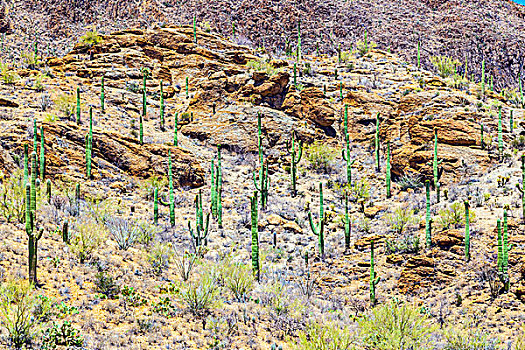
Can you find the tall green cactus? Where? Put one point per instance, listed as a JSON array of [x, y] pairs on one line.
[[503, 253], [35, 136], [200, 235], [161, 106], [347, 224], [187, 87], [156, 206], [42, 154], [388, 171], [89, 145], [483, 78], [374, 280], [295, 75], [435, 163], [216, 188], [346, 157], [418, 55], [176, 130], [48, 191], [376, 143], [78, 105], [522, 187], [521, 89], [428, 219], [102, 95], [467, 231], [500, 135], [30, 221], [255, 236], [318, 229], [511, 122], [295, 158], [26, 165]]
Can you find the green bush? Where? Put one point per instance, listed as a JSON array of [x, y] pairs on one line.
[[395, 326], [445, 66], [324, 336], [86, 237], [160, 257], [408, 243], [106, 286], [91, 38], [238, 278], [12, 195], [400, 219], [184, 264], [262, 66], [17, 312], [201, 293], [454, 217], [66, 104], [8, 75], [320, 156]]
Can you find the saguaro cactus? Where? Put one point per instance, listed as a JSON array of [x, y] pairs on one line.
[[42, 154], [171, 195], [156, 206], [102, 95], [200, 235], [295, 158], [376, 143], [318, 229], [467, 231], [435, 164], [176, 130], [30, 222], [161, 107], [78, 105], [216, 188], [194, 29], [503, 253], [374, 280], [388, 171], [89, 145], [347, 224], [483, 78], [428, 219], [255, 236], [522, 187], [511, 122], [418, 54], [264, 179], [187, 87], [299, 41], [482, 141], [26, 165]]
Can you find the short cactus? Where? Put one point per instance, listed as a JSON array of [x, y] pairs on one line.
[[467, 231], [388, 171], [156, 206], [346, 157], [347, 224], [102, 95], [503, 253], [78, 105], [216, 188], [176, 130]]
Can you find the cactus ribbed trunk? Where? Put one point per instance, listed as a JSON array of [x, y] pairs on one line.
[[255, 236], [428, 228]]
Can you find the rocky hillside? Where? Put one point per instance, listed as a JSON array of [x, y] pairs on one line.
[[472, 30], [129, 273]]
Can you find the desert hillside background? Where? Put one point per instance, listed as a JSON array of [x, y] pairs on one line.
[[262, 175]]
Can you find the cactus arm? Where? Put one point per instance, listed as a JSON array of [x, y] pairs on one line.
[[312, 225]]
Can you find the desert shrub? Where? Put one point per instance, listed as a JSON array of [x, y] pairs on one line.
[[262, 66], [30, 59], [324, 336], [147, 232], [276, 297], [360, 190], [147, 187], [408, 243], [238, 278], [8, 74], [86, 237], [364, 47], [12, 195], [17, 310], [91, 38], [445, 66], [102, 210], [105, 285], [394, 326], [454, 216], [200, 294], [401, 218], [184, 264], [123, 231], [66, 104], [61, 335], [410, 180], [320, 156], [160, 256], [469, 339], [520, 341]]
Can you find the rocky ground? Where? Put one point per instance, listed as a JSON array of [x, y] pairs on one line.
[[228, 86]]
